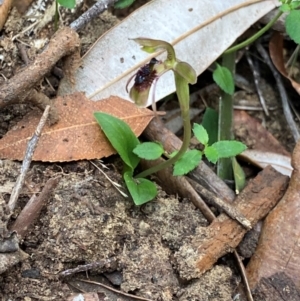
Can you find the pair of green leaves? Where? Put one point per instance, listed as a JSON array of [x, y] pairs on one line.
[[131, 151], [124, 142], [191, 159]]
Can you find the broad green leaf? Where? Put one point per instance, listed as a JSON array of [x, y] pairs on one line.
[[67, 3], [187, 162], [239, 176], [120, 136], [149, 150], [210, 123], [292, 25], [200, 133], [227, 149], [123, 3], [186, 71], [141, 190], [224, 79], [211, 154]]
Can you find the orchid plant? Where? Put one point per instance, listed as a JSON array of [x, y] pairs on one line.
[[129, 147]]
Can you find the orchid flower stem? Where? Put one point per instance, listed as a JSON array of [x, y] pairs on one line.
[[182, 90], [255, 36], [224, 167]]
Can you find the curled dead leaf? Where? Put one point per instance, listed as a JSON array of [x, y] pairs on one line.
[[276, 54]]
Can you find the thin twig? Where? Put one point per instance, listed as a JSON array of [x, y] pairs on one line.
[[244, 275], [256, 76], [220, 204], [98, 8], [32, 143], [283, 95], [115, 184], [116, 291], [86, 267]]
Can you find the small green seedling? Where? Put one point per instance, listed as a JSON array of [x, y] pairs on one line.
[[65, 3], [123, 4], [131, 150]]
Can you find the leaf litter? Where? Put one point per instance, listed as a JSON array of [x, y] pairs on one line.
[[77, 135], [60, 248]]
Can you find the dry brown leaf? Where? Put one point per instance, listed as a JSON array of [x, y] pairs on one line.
[[278, 249], [276, 54], [254, 135], [76, 136]]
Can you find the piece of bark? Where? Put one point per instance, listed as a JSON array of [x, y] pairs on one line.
[[64, 42], [222, 205], [156, 131], [4, 10], [279, 248], [278, 287], [224, 234]]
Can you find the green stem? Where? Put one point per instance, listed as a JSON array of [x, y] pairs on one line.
[[255, 36], [182, 90], [224, 169]]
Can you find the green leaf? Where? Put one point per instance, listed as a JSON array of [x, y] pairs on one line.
[[67, 3], [211, 154], [187, 162], [210, 123], [141, 190], [186, 71], [294, 4], [224, 79], [292, 25], [149, 150], [200, 133], [239, 176], [227, 149], [285, 7], [123, 3], [120, 136]]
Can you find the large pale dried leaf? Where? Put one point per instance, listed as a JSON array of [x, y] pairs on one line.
[[276, 53], [262, 159], [76, 136], [114, 58], [279, 248]]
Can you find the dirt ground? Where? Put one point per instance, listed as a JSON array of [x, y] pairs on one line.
[[87, 221]]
